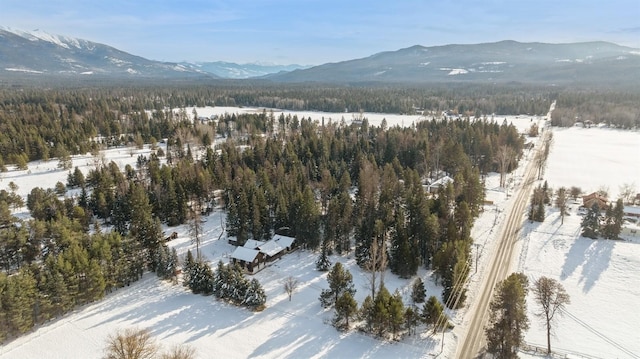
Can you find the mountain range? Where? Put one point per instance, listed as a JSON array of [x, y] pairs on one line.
[[231, 70], [37, 53]]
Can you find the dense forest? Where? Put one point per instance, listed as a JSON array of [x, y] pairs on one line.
[[335, 187]]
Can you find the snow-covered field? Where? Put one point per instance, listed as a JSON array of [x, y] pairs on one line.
[[601, 277]]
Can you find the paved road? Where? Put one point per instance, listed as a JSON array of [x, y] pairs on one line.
[[473, 343]]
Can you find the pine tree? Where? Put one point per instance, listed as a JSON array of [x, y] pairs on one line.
[[613, 220], [18, 302], [255, 297], [366, 313], [346, 308], [380, 315], [323, 263], [340, 281], [404, 261], [201, 278], [411, 319], [396, 313], [591, 222], [418, 292], [433, 314], [187, 268], [508, 317]]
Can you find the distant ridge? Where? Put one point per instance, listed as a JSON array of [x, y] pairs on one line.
[[498, 62], [36, 54]]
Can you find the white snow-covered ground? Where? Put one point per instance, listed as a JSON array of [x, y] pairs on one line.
[[599, 276]]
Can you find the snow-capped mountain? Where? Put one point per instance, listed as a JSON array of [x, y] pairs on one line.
[[231, 70], [499, 62], [38, 52]]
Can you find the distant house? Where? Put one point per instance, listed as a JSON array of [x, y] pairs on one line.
[[439, 183], [255, 255], [632, 211], [594, 198]]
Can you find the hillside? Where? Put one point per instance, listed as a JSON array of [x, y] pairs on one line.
[[38, 53], [500, 62]]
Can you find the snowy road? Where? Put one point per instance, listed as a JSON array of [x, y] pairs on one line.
[[500, 266]]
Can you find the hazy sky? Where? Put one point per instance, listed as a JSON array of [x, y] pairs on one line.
[[314, 32]]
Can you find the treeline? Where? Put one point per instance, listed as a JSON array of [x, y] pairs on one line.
[[615, 109], [60, 266], [40, 124]]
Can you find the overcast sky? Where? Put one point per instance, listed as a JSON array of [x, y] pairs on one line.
[[314, 32]]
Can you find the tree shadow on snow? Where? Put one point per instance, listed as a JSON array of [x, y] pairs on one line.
[[593, 255]]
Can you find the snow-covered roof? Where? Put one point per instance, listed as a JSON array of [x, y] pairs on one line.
[[245, 254], [284, 241], [253, 244], [442, 181], [271, 248]]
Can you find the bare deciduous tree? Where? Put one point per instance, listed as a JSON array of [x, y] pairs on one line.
[[561, 203], [290, 285], [377, 258], [552, 298], [180, 352], [131, 344], [505, 158], [627, 192], [542, 154], [575, 192], [196, 225]]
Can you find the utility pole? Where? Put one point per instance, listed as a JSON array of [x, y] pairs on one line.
[[477, 245]]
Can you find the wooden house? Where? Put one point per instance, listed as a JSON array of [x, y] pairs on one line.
[[594, 198], [252, 260]]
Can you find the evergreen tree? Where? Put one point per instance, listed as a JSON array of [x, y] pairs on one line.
[[411, 319], [613, 220], [508, 317], [418, 292], [433, 314], [340, 281], [380, 315], [591, 222], [18, 302], [404, 261], [366, 313], [323, 263], [187, 268], [201, 278], [255, 297], [346, 308], [396, 313]]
